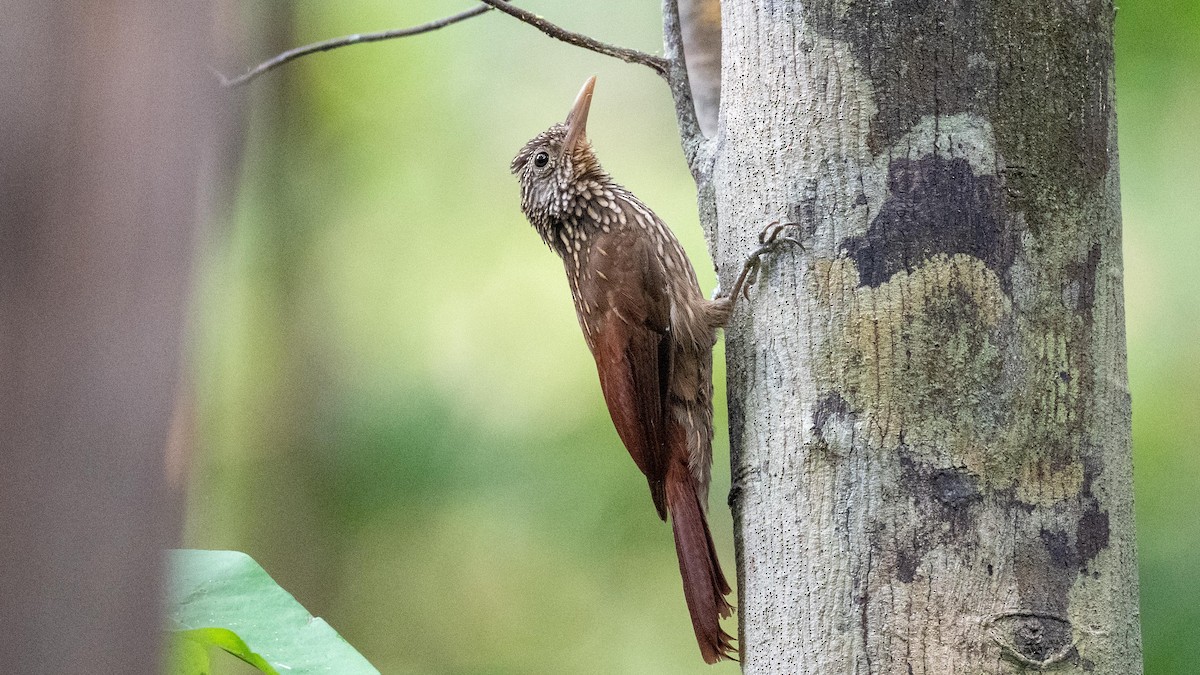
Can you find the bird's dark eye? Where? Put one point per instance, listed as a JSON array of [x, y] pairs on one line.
[[540, 159]]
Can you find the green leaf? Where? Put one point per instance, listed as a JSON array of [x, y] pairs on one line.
[[227, 640], [225, 599], [187, 657]]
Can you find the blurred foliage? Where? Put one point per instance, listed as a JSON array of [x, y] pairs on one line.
[[397, 414], [1158, 96]]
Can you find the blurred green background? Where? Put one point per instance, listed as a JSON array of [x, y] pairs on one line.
[[398, 418]]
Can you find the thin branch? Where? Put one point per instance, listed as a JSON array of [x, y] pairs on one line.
[[700, 152], [655, 63], [690, 133], [681, 89], [345, 41]]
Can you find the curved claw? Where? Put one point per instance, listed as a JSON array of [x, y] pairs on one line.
[[770, 234], [790, 240]]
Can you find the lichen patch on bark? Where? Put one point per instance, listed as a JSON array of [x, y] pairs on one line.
[[908, 353]]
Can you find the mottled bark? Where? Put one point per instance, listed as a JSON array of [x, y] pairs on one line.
[[103, 123], [929, 413]]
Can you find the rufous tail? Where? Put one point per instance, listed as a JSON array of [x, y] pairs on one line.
[[704, 586]]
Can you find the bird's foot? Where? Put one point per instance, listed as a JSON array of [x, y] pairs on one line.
[[770, 239]]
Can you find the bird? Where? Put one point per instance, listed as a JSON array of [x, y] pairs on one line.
[[651, 331]]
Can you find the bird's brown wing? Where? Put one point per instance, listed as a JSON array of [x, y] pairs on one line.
[[632, 347]]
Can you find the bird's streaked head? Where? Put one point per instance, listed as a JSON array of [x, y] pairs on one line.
[[552, 164]]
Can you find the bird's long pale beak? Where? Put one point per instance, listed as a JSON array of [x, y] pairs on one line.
[[577, 119]]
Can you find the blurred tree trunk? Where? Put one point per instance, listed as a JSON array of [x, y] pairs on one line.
[[701, 24], [104, 124], [929, 415]]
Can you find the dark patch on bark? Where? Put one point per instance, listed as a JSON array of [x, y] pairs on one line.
[[935, 205], [1045, 571], [1059, 547], [945, 495], [917, 55], [1092, 528], [1091, 535], [1082, 276], [906, 564], [954, 488], [1039, 72], [828, 406]]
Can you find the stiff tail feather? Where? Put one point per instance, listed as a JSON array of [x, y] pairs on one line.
[[704, 585]]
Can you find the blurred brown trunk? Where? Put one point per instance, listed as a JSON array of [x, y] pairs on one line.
[[701, 24], [103, 124]]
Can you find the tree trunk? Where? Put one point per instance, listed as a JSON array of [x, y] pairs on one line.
[[103, 125], [928, 406]]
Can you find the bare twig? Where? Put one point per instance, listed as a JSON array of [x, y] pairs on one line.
[[345, 41], [655, 63], [695, 146]]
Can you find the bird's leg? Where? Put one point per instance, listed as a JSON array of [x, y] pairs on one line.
[[769, 240]]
